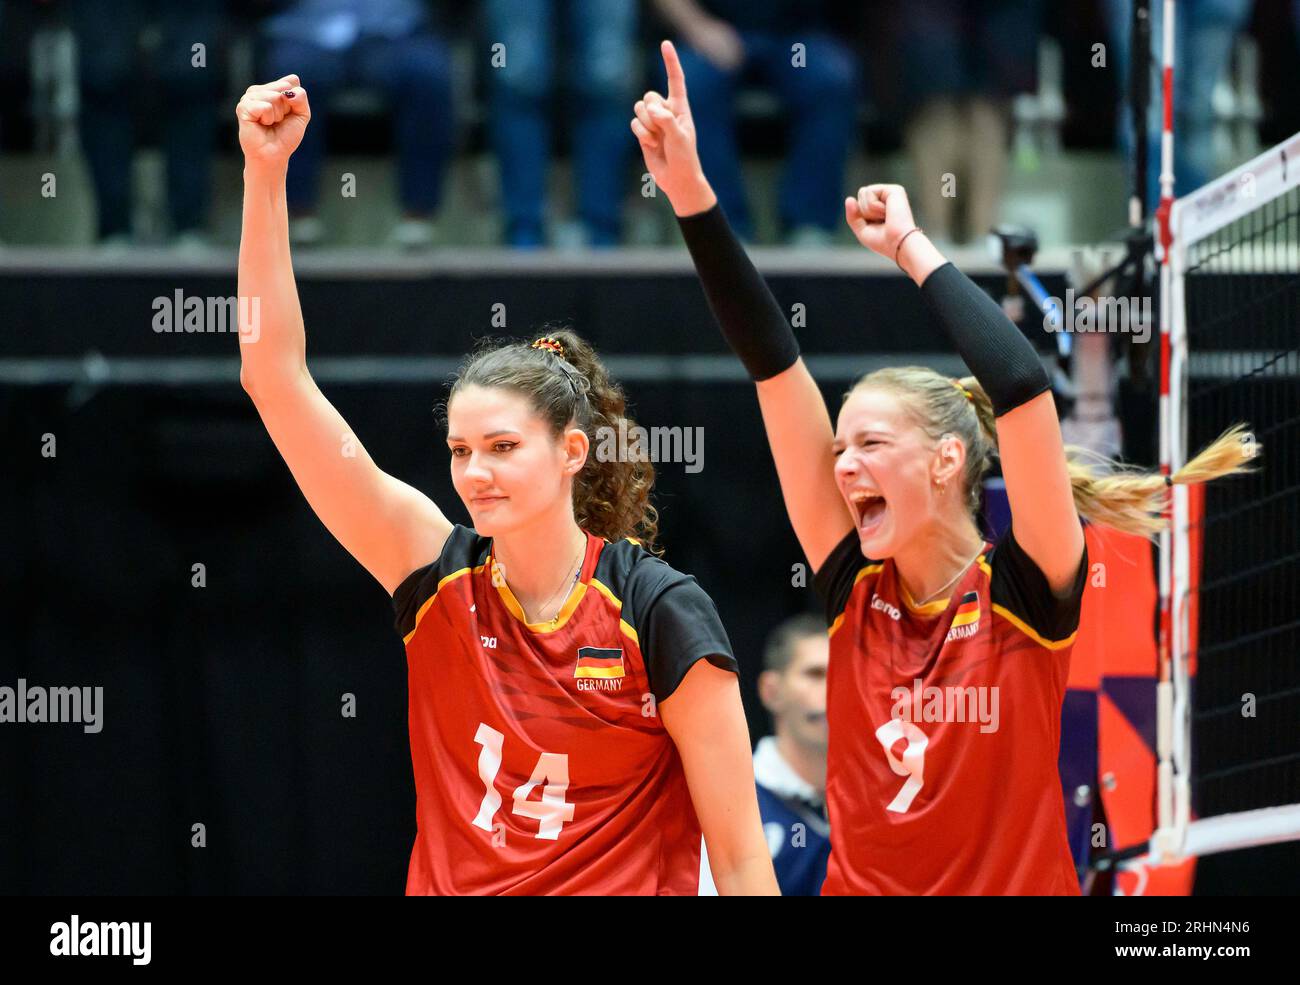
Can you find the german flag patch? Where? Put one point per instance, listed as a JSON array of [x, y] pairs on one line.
[[595, 661], [966, 621], [969, 610]]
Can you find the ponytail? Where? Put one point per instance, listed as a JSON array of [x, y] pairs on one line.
[[1126, 498], [1133, 500]]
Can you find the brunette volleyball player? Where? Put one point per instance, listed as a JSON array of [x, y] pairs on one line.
[[949, 655], [575, 716]]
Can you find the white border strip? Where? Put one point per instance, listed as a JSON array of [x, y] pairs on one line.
[[1237, 193], [1245, 829]]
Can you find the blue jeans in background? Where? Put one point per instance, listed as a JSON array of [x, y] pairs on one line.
[[956, 48], [107, 39], [820, 99], [601, 88], [415, 74]]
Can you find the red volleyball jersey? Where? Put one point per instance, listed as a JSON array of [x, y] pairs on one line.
[[945, 727], [541, 765]]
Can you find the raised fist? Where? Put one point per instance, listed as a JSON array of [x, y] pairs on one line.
[[272, 119], [879, 216]]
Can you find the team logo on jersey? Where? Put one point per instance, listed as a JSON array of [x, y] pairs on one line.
[[966, 622], [880, 605], [599, 669]]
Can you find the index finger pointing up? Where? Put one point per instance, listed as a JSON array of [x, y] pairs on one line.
[[676, 78]]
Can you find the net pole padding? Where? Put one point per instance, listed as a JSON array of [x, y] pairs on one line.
[[1181, 582], [1167, 119], [1164, 840]]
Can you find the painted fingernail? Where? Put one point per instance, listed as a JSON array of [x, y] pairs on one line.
[[289, 94]]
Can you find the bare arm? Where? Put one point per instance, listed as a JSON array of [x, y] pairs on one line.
[[800, 433], [388, 526], [706, 720], [1039, 491], [798, 424], [1030, 445]]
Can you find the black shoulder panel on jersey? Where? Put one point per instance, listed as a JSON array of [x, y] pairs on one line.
[[464, 549], [675, 620], [836, 577], [1019, 586]]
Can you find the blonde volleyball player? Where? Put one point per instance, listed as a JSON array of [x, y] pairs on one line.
[[949, 655]]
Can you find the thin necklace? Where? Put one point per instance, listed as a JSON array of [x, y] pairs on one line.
[[545, 605], [961, 572]]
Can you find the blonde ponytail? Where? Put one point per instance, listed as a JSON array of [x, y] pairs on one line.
[[1124, 497], [1133, 500]]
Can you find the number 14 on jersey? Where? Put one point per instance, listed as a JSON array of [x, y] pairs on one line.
[[552, 770]]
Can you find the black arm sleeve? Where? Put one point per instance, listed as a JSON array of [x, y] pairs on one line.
[[999, 356], [751, 320]]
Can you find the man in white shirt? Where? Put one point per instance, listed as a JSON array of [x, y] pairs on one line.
[[790, 766]]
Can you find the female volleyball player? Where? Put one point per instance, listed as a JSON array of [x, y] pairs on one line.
[[575, 716], [949, 656]]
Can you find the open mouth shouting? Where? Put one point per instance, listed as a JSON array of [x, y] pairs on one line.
[[869, 509]]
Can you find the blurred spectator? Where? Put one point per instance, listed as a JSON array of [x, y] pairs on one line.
[[108, 44], [389, 44], [1204, 33], [600, 35], [724, 42], [790, 766], [963, 62]]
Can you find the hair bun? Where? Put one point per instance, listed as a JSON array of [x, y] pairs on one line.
[[547, 342]]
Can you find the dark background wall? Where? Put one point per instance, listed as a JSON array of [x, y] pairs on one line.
[[222, 703]]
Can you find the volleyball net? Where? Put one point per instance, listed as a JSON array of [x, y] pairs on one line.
[[1228, 712]]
